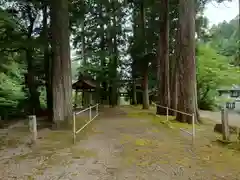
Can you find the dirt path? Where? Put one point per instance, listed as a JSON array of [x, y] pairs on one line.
[[119, 146]]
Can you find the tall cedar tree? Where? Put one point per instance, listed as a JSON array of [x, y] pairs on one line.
[[114, 59], [187, 101], [145, 94], [134, 61], [34, 101], [62, 80], [173, 64], [163, 60], [47, 60]]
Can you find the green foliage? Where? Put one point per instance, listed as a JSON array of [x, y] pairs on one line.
[[225, 39], [111, 38], [11, 87], [213, 72], [218, 62], [98, 17], [21, 49], [75, 66], [43, 97]]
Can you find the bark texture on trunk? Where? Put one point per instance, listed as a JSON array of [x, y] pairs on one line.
[[134, 95], [47, 62], [173, 85], [114, 59], [174, 74], [163, 60], [187, 101], [145, 94], [114, 92], [103, 45], [34, 102], [145, 91], [62, 78]]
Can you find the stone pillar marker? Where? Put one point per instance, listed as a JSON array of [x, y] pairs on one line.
[[33, 127], [225, 126]]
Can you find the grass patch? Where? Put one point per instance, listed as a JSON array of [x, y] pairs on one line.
[[13, 138], [50, 145], [161, 121], [140, 114], [125, 138], [56, 148], [53, 142], [6, 142], [174, 149], [141, 142], [143, 153], [157, 120], [81, 121], [232, 145]]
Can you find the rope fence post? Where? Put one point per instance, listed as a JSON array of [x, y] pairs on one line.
[[192, 132], [238, 135], [167, 113], [90, 118], [90, 113], [97, 109], [193, 129], [74, 128]]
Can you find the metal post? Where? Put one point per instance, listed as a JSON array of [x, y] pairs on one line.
[[167, 114], [74, 128], [193, 129]]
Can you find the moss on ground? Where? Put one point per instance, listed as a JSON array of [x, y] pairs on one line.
[[172, 148], [49, 147], [13, 138], [143, 153], [137, 112], [154, 143], [6, 142], [57, 148]]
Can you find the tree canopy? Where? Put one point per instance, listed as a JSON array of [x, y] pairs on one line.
[[134, 45]]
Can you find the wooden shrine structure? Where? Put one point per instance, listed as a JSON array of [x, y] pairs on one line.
[[87, 86]]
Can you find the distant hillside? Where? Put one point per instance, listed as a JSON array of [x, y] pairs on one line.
[[225, 38]]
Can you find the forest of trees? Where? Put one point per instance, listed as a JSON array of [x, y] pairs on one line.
[[167, 45]]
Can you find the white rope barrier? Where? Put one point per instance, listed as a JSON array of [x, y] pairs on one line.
[[75, 132], [193, 133]]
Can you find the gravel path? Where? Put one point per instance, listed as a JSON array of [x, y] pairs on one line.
[[119, 147]]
